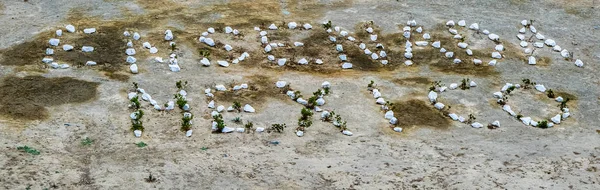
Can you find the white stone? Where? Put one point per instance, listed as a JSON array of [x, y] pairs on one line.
[[54, 65], [538, 44], [220, 108], [436, 44], [373, 37], [70, 28], [89, 30], [523, 44], [130, 51], [393, 120], [442, 50], [236, 32], [260, 129], [347, 65], [228, 30], [398, 129], [494, 37], [526, 120], [205, 62], [131, 59], [532, 29], [374, 56], [556, 119], [174, 68], [439, 106], [472, 84], [281, 62], [496, 55], [129, 44], [476, 125], [211, 30], [209, 41], [564, 53], [498, 95], [453, 116], [411, 23], [271, 58], [565, 115], [509, 110], [426, 36], [557, 48], [406, 34], [339, 47], [307, 26], [228, 47], [462, 23], [421, 43], [432, 96], [292, 25], [223, 63], [550, 42], [168, 35], [380, 101], [343, 57], [67, 47], [521, 37], [368, 52], [298, 44], [450, 23], [87, 48], [344, 33], [136, 36], [579, 63], [137, 133], [220, 87], [474, 26], [91, 63], [248, 108], [419, 30], [527, 51], [170, 105], [449, 54], [389, 114], [303, 61], [211, 104], [457, 61], [493, 62], [47, 59], [453, 86], [559, 99], [299, 133], [458, 36], [539, 36], [133, 68], [319, 61], [158, 59], [408, 55], [227, 130], [499, 47], [477, 61], [524, 22], [408, 62], [463, 45], [540, 87], [486, 32], [469, 52], [453, 31]]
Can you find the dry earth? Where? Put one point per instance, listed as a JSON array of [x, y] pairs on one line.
[[55, 114]]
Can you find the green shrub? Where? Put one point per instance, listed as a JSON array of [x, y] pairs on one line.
[[181, 101], [327, 25], [141, 144], [277, 127], [550, 93], [28, 150], [220, 123], [249, 126], [543, 124], [87, 141], [135, 103], [465, 84], [237, 106], [186, 123], [237, 120]]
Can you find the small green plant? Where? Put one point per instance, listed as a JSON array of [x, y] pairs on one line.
[[181, 85], [519, 116], [306, 114], [297, 94], [527, 83], [87, 141], [371, 85], [329, 117], [141, 144], [205, 53], [220, 123], [28, 150], [237, 106], [173, 46], [510, 89], [503, 101], [326, 90], [340, 123], [550, 93], [465, 84], [327, 25], [312, 101], [388, 105], [436, 85], [563, 104], [135, 86], [471, 119], [277, 127], [135, 103], [181, 100], [186, 123], [137, 125], [249, 126], [543, 124], [318, 93], [237, 120], [151, 179]]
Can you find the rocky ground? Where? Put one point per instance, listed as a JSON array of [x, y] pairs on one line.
[[77, 119]]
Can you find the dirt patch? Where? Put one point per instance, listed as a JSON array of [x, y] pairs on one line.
[[413, 81], [25, 98], [259, 89], [419, 113], [565, 95]]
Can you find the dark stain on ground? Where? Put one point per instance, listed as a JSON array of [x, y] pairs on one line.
[[26, 98], [413, 113], [413, 80]]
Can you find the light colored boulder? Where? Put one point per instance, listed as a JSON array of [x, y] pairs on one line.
[[509, 110], [70, 28], [228, 47], [260, 129], [299, 133], [432, 96], [398, 129], [449, 54], [439, 106], [462, 45], [474, 26], [526, 120], [220, 87], [538, 44], [280, 84], [91, 63], [421, 43], [205, 62], [450, 23], [540, 87], [476, 125], [539, 36], [499, 47], [373, 37], [228, 130], [375, 56], [565, 115], [174, 68], [453, 31], [130, 51], [494, 37], [89, 30], [380, 101], [559, 99], [486, 32], [67, 47], [137, 133], [477, 61], [298, 44], [393, 120], [292, 25], [564, 53], [532, 29], [550, 42], [47, 59], [469, 52], [131, 59], [496, 55], [472, 84], [248, 108], [556, 119], [389, 114], [493, 62], [408, 62], [220, 108], [496, 123], [557, 48], [223, 63], [136, 36], [453, 86], [303, 61], [320, 101], [133, 68], [456, 61], [307, 26], [347, 65], [578, 63], [498, 95]]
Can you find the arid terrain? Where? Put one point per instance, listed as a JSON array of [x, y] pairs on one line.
[[71, 128]]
